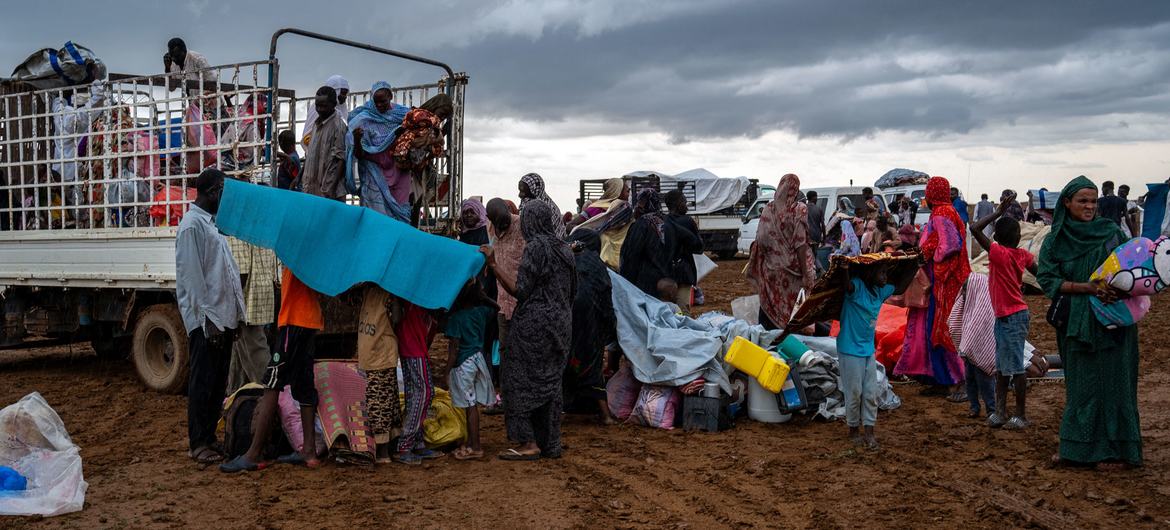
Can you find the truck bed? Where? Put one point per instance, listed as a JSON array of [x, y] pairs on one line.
[[116, 258]]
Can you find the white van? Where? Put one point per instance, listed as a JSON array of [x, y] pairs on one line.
[[917, 194], [825, 198]]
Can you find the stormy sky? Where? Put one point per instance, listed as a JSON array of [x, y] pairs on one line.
[[991, 94]]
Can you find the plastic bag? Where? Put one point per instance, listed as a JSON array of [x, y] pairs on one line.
[[290, 421], [747, 309], [445, 425], [68, 66], [656, 407], [622, 391], [33, 441]]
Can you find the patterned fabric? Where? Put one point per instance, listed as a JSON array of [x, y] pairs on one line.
[[385, 414], [781, 261], [420, 140], [649, 207], [827, 295], [258, 267], [929, 350], [972, 323], [416, 382], [536, 188], [342, 391]]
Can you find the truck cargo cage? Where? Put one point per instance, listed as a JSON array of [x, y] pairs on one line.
[[124, 154], [592, 189]]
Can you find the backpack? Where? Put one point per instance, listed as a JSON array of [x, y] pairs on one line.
[[238, 415]]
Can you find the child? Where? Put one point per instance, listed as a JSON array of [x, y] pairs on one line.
[[377, 353], [1006, 267], [415, 332], [288, 174], [863, 299], [469, 379]]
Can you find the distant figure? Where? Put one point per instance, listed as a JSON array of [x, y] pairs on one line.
[[288, 173], [1110, 206], [870, 207], [816, 231], [1132, 225], [960, 205], [687, 244], [531, 190], [1013, 209], [984, 209], [781, 261]]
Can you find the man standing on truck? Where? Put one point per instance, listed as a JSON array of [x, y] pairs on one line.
[[324, 171], [193, 65], [211, 301]]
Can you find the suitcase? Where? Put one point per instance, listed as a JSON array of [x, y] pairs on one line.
[[701, 413]]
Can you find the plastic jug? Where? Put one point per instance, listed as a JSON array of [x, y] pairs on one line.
[[791, 349], [762, 406], [758, 363]]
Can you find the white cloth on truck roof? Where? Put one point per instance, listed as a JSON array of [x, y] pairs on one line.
[[712, 193]]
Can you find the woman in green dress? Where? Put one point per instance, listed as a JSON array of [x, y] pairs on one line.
[[1100, 425]]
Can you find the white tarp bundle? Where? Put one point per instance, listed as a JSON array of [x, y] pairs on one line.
[[712, 193], [33, 441]]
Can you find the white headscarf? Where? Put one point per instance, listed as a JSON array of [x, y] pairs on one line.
[[336, 82]]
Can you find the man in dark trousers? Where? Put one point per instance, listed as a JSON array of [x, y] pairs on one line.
[[816, 230], [1110, 206], [211, 302]]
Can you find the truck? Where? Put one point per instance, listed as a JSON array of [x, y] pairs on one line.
[[91, 257], [717, 204]]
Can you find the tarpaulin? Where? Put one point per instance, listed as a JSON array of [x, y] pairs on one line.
[[332, 246], [712, 193]]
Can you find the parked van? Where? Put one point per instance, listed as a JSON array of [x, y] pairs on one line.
[[917, 193], [825, 198]]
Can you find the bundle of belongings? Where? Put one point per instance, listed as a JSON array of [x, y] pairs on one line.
[[1139, 268], [972, 327], [1032, 236], [342, 417], [901, 177], [57, 68]]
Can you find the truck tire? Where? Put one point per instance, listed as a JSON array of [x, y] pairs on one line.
[[160, 349]]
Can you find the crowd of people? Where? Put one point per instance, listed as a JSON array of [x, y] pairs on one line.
[[544, 296], [1100, 423]]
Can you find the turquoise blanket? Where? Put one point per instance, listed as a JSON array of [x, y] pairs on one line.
[[333, 246]]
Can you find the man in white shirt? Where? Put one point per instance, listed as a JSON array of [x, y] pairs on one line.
[[193, 65], [211, 301]]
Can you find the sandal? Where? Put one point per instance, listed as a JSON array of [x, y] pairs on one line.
[[296, 459], [957, 397], [205, 455], [466, 453], [241, 463], [1016, 423], [513, 455]]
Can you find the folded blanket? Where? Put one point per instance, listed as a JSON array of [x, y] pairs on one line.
[[331, 246]]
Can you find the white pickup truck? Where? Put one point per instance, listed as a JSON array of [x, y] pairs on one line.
[[91, 193]]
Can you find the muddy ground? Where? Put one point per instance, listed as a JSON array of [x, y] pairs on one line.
[[936, 468]]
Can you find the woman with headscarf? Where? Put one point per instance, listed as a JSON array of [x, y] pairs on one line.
[[613, 190], [781, 261], [538, 337], [341, 88], [245, 129], [384, 187], [1100, 425], [532, 191], [649, 245], [473, 223], [929, 353], [593, 326]]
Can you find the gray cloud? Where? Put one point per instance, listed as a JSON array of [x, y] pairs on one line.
[[1095, 70]]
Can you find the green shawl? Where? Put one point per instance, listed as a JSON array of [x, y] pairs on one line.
[[1071, 252]]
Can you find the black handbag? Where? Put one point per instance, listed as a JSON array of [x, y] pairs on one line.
[[1058, 311]]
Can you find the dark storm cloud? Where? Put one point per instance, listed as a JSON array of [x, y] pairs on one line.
[[837, 68], [692, 69]]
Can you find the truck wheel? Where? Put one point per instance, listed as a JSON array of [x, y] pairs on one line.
[[726, 254], [160, 349]]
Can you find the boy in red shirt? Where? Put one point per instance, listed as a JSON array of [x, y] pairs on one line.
[[1006, 271]]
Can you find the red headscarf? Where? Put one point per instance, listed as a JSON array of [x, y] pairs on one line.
[[938, 195]]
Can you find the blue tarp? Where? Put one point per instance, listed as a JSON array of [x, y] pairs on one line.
[[332, 246], [1154, 217]]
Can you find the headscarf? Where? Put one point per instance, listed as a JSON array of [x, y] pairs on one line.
[[378, 132], [481, 219], [541, 241], [1079, 247], [938, 195], [781, 261], [611, 191], [536, 188], [649, 207], [255, 104], [512, 207], [336, 82], [849, 245], [619, 214], [908, 235], [867, 237]]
